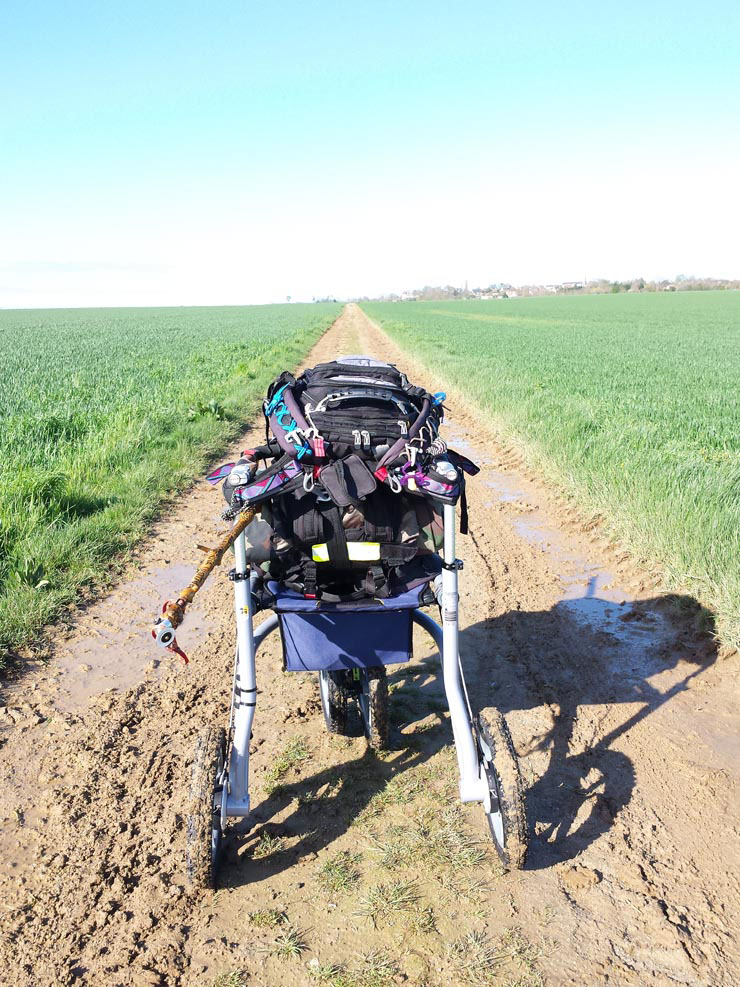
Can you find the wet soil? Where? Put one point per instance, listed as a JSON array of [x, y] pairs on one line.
[[622, 709]]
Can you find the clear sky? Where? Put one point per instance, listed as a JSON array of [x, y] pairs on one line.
[[228, 153]]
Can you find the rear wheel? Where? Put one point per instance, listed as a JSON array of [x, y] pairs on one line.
[[373, 700], [203, 823], [334, 697], [506, 819]]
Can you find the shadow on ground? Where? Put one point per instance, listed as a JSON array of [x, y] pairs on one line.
[[583, 662], [580, 654], [325, 804]]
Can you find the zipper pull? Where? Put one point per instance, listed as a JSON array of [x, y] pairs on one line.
[[357, 437], [403, 426], [366, 439]]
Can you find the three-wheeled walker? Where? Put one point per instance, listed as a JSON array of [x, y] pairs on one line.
[[356, 461], [347, 645]]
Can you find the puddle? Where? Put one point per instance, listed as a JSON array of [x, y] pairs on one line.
[[592, 593], [116, 653], [633, 639], [508, 491], [458, 441]]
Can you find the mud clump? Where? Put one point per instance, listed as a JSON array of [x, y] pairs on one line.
[[579, 877]]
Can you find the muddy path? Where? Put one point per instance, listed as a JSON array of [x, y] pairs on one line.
[[364, 870]]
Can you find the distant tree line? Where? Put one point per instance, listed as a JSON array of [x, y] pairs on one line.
[[600, 286], [682, 282]]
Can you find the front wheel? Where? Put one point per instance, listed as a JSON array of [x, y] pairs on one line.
[[334, 698], [203, 828], [373, 699], [506, 818]]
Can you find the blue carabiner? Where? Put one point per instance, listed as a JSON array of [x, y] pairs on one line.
[[274, 401]]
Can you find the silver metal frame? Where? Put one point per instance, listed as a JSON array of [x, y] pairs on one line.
[[473, 783]]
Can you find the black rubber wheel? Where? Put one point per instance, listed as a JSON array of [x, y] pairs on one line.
[[203, 821], [506, 820], [334, 698], [373, 701]]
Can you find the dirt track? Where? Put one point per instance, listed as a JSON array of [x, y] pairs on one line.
[[624, 716]]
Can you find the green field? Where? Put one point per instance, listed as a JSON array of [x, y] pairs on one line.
[[105, 411], [631, 402]]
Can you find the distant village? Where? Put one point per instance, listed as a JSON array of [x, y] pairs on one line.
[[600, 286]]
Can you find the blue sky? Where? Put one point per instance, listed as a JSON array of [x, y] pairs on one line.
[[186, 153]]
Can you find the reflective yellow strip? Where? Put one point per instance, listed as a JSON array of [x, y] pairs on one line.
[[358, 551]]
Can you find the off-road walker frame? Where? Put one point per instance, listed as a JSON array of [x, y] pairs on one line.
[[486, 760], [347, 637]]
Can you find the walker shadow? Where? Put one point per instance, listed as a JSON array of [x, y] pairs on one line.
[[325, 804], [519, 661], [522, 661]]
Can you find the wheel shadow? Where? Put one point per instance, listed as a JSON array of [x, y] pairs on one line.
[[583, 653], [323, 806]]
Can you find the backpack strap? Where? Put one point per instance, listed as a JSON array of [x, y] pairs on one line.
[[280, 478], [400, 444], [309, 579], [463, 509], [336, 542], [376, 582], [286, 420], [395, 555]]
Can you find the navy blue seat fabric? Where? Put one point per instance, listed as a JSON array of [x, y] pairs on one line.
[[335, 636]]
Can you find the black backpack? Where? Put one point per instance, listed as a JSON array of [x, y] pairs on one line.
[[345, 518], [350, 406]]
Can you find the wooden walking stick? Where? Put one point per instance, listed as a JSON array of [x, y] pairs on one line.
[[173, 614]]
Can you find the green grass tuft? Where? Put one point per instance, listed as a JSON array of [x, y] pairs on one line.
[[267, 918], [384, 901], [422, 921], [289, 944], [400, 790], [445, 839], [340, 872], [479, 959], [295, 753], [476, 958], [375, 969], [267, 844], [234, 979], [435, 834]]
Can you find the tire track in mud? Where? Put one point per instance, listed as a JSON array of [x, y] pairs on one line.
[[631, 801]]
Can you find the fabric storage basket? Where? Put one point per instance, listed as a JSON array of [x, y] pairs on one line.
[[342, 635]]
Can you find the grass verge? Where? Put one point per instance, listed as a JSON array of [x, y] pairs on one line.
[[103, 414], [629, 403]]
